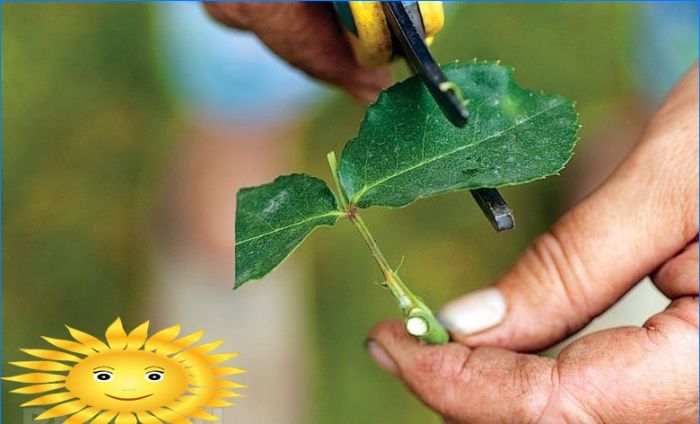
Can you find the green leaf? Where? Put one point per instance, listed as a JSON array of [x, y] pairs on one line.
[[272, 219], [406, 149]]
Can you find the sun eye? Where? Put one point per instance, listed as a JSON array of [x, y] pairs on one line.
[[102, 376], [154, 376]]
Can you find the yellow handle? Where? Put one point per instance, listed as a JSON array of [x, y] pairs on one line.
[[372, 45]]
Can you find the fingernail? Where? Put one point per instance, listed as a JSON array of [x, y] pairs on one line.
[[475, 312], [379, 355]]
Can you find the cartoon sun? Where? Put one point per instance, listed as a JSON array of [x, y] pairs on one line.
[[132, 378]]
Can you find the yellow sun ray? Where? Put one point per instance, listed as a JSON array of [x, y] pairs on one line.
[[87, 340], [146, 418], [180, 344], [129, 378], [137, 337], [105, 417], [41, 365], [207, 347], [170, 416], [51, 399], [83, 416], [217, 403], [221, 358], [214, 393], [63, 409], [162, 338], [70, 346], [227, 384], [116, 336], [52, 355], [36, 377], [38, 388], [125, 418], [189, 406], [224, 371]]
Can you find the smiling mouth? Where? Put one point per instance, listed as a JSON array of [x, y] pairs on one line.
[[120, 398]]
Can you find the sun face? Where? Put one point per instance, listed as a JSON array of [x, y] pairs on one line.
[[127, 381], [132, 378]]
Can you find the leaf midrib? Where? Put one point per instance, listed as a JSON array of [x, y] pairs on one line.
[[366, 188], [286, 227]]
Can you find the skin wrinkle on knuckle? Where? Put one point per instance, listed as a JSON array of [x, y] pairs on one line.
[[669, 182], [437, 363], [438, 370], [678, 277], [526, 377], [559, 260], [578, 376], [687, 199], [562, 403], [675, 131], [678, 188], [671, 333], [576, 410], [532, 377], [550, 408]]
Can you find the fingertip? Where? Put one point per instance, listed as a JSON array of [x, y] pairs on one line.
[[364, 95], [393, 339], [381, 357], [366, 84], [390, 333], [386, 337]]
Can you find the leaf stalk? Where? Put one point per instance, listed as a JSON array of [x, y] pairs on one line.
[[333, 164], [419, 320]]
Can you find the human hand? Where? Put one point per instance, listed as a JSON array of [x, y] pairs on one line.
[[308, 36], [642, 221]]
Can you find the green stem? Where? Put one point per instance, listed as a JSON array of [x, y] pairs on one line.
[[418, 318], [342, 199]]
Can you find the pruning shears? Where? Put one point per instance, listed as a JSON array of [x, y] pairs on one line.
[[379, 32]]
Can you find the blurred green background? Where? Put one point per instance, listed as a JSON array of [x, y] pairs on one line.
[[88, 130]]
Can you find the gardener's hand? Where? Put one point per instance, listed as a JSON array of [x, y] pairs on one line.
[[642, 221], [306, 35]]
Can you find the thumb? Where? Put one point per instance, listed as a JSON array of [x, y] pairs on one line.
[[622, 375], [643, 215]]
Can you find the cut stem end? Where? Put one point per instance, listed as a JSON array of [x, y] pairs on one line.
[[416, 326]]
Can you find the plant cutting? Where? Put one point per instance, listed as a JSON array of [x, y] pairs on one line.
[[407, 150]]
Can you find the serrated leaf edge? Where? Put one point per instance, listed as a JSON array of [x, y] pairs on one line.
[[357, 197]]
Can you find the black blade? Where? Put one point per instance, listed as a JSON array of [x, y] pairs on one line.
[[410, 36], [495, 208], [405, 21]]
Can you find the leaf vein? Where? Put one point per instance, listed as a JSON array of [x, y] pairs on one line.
[[286, 227], [451, 152]]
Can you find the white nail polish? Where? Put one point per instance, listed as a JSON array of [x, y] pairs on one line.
[[475, 312]]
